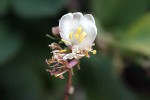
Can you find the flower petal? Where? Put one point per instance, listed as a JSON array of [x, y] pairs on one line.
[[65, 26], [68, 56], [89, 18], [77, 18], [91, 31], [70, 23], [88, 24]]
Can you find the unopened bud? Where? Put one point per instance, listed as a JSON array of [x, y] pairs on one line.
[[55, 31]]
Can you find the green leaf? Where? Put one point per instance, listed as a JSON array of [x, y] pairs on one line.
[[3, 6], [21, 83], [100, 83], [37, 8], [10, 43], [118, 13], [137, 39]]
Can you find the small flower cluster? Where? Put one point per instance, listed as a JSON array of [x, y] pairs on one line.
[[58, 65], [78, 32]]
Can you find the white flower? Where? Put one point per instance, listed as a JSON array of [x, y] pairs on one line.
[[78, 32]]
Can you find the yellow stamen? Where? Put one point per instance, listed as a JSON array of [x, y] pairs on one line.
[[94, 52], [78, 32], [82, 36], [86, 54], [78, 51], [79, 29], [62, 51], [76, 36], [65, 41], [70, 35], [55, 75]]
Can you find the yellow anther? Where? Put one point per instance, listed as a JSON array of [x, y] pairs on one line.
[[76, 36], [70, 35], [62, 51], [94, 52], [79, 29], [82, 36]]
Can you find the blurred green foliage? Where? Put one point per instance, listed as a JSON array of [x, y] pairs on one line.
[[8, 48], [101, 82], [105, 76], [3, 6], [115, 14], [37, 8], [136, 38]]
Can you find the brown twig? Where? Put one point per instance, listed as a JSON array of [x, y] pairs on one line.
[[68, 90]]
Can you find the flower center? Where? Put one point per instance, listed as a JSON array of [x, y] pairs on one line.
[[79, 35]]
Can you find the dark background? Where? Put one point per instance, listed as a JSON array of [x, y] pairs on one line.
[[119, 71]]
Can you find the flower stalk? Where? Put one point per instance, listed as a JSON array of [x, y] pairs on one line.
[[69, 87]]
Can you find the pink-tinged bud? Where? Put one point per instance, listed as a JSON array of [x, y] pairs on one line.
[[55, 31]]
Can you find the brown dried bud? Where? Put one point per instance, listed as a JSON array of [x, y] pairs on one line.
[[55, 46]]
